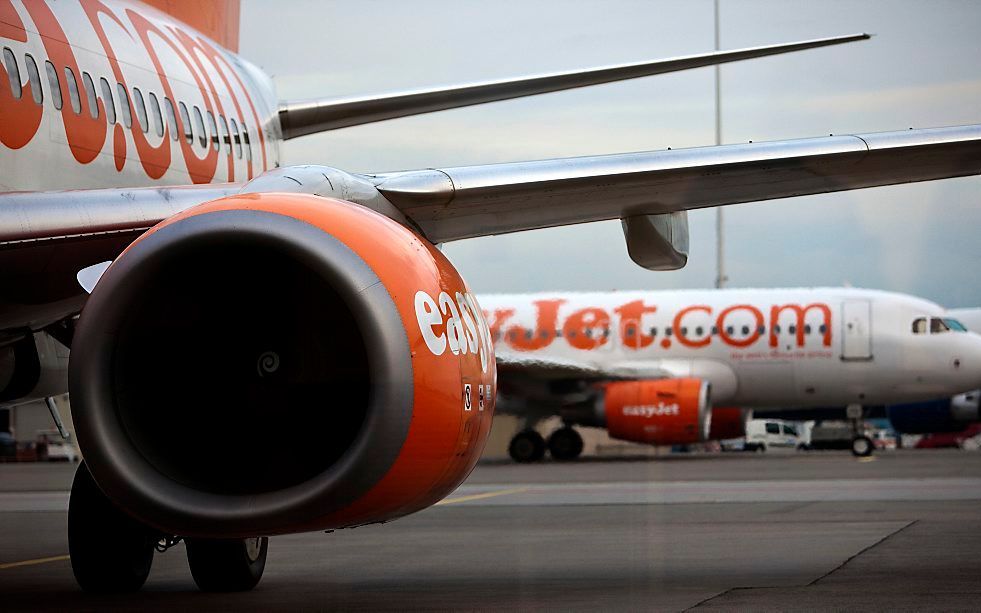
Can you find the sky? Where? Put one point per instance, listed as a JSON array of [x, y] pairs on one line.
[[921, 69]]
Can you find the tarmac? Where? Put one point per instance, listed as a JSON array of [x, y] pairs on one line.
[[795, 531]]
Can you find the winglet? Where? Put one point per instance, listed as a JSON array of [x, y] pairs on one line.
[[299, 118]]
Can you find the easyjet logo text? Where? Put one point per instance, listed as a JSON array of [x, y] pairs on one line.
[[652, 410], [453, 323], [637, 325]]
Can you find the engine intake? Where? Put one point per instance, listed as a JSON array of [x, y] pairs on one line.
[[252, 367]]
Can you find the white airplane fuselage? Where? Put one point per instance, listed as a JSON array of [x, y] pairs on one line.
[[114, 93], [757, 347]]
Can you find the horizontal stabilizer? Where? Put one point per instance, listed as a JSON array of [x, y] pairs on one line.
[[303, 117]]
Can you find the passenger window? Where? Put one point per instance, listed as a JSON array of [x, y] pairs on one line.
[[171, 118], [89, 86], [54, 83], [224, 135], [654, 331], [199, 126], [124, 106], [107, 99], [247, 143], [776, 329], [186, 120], [745, 330], [937, 326], [141, 109], [73, 90], [792, 329], [155, 114], [214, 131], [807, 328], [35, 78], [13, 73], [772, 428], [238, 141]]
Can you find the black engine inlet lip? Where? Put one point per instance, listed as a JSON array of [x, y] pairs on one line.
[[127, 477]]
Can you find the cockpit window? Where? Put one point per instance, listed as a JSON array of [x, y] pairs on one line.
[[937, 326], [955, 325], [919, 325]]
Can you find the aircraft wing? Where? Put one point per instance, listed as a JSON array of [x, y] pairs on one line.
[[454, 203]]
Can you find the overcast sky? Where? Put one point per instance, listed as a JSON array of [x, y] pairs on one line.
[[922, 69]]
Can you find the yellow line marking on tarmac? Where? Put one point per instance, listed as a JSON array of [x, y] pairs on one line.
[[32, 562], [868, 459], [515, 490]]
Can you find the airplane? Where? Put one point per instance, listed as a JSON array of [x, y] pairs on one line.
[[244, 297], [687, 366]]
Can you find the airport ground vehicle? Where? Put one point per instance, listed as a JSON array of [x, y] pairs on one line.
[[239, 289], [840, 435], [967, 438], [677, 367], [763, 434], [56, 449]]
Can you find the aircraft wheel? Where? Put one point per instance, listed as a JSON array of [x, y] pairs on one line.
[[862, 446], [232, 565], [565, 444], [527, 446], [110, 551]]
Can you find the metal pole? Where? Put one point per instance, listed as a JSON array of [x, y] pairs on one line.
[[720, 279]]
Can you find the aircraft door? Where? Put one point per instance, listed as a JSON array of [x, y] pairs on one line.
[[856, 330]]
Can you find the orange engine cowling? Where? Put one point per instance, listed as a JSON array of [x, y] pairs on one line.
[[657, 412], [272, 363], [729, 422]]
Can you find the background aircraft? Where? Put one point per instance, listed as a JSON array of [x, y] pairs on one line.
[[650, 366], [241, 293]]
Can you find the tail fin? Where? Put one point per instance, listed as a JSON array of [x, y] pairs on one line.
[[216, 19]]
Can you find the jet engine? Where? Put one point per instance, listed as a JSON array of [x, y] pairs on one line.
[[273, 363], [945, 415], [657, 412]]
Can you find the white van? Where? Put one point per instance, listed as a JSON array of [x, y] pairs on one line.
[[763, 434]]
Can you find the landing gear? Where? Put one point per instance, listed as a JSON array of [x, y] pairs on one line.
[[527, 446], [232, 565], [110, 551], [862, 446], [565, 444]]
